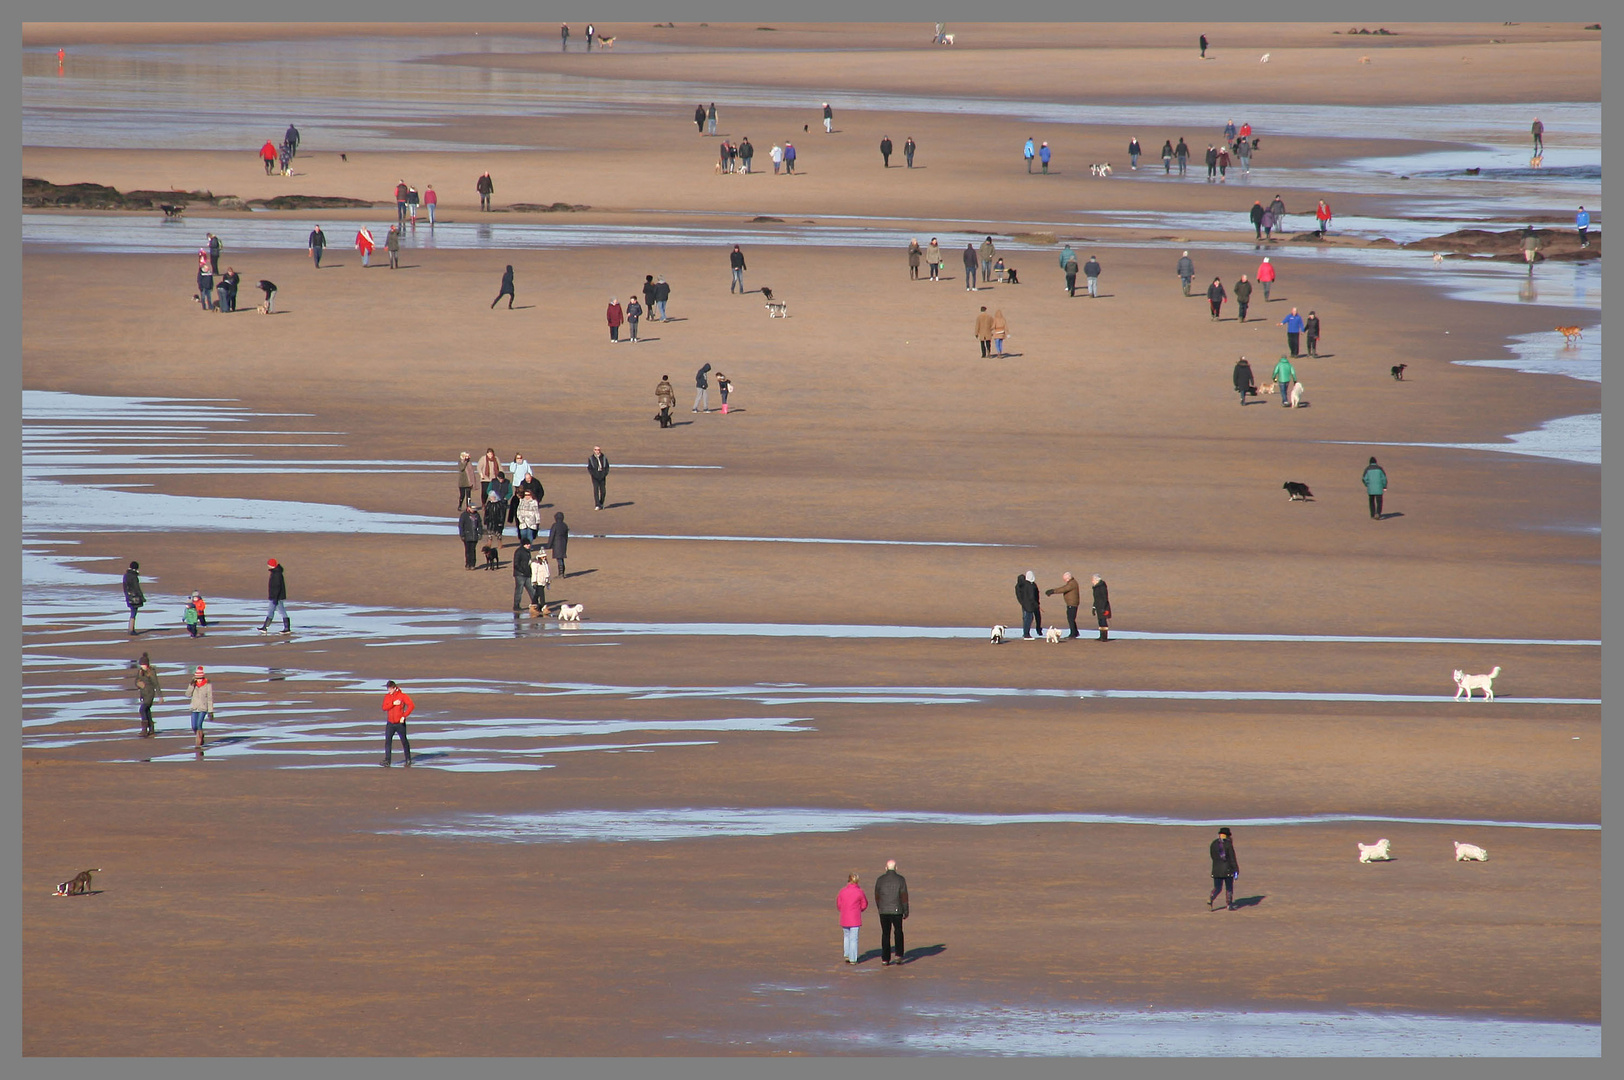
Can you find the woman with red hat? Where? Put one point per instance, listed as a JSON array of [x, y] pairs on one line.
[[202, 694], [278, 595]]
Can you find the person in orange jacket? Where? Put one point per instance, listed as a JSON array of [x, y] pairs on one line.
[[397, 706]]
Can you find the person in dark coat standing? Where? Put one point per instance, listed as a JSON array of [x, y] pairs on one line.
[[699, 118], [891, 900], [522, 598], [1071, 593], [597, 467], [1225, 869], [147, 689], [495, 512], [1102, 607], [1186, 271], [702, 389], [1203, 46], [1311, 330], [1257, 219], [736, 261], [1244, 382], [1182, 152], [134, 598], [1216, 297], [486, 188], [317, 243], [469, 528], [506, 290], [277, 593], [1243, 295], [1026, 594], [885, 150], [908, 149], [558, 540]]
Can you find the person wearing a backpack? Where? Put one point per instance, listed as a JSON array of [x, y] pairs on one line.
[[891, 900], [1071, 268], [397, 706], [702, 389], [1225, 869], [189, 617], [134, 598]]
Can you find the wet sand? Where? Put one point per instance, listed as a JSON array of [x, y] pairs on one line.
[[278, 902]]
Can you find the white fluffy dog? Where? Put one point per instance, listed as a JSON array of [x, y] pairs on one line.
[[1296, 395], [947, 39], [1470, 853], [1380, 851], [1465, 684], [570, 612], [1052, 635], [998, 634]]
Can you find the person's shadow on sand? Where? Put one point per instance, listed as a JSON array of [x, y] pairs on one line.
[[1394, 514], [908, 957], [1248, 901]]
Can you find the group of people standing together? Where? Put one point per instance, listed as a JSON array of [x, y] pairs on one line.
[[280, 158], [656, 294], [217, 289], [513, 495], [1026, 595]]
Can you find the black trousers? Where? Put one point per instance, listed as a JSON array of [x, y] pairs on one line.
[[1071, 620], [890, 924], [468, 556], [986, 347], [389, 733], [1291, 342], [1071, 284], [1243, 307], [1313, 344], [600, 491], [1226, 885], [146, 717], [1375, 506]]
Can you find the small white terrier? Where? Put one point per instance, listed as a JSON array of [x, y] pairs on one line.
[[1052, 635], [1470, 853], [1380, 851], [998, 634], [1465, 684], [570, 612]]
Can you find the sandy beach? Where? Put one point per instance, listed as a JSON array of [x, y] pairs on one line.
[[786, 605]]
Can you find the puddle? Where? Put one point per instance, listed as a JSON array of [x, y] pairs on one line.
[[1570, 438], [662, 825], [1546, 353]]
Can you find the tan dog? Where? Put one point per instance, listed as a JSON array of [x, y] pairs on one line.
[[1570, 334], [79, 885]]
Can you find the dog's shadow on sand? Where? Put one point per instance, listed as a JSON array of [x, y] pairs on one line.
[[1249, 901]]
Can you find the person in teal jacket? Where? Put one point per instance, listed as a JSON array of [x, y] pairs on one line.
[[1284, 376], [1375, 481], [1029, 153]]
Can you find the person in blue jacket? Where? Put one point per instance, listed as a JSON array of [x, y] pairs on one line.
[[1581, 221], [1029, 153], [1043, 156], [1294, 328]]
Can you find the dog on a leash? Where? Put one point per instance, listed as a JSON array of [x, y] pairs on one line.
[[570, 612], [1470, 853], [1052, 635], [997, 634], [1465, 684], [1570, 334], [1397, 371], [79, 885], [1297, 492], [1380, 851]]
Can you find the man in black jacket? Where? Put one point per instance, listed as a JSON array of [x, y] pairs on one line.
[[522, 598], [1225, 868], [747, 151], [134, 598], [277, 592], [699, 118], [885, 150], [1102, 607], [1212, 163], [469, 528], [736, 260], [558, 540], [662, 293], [1257, 218], [1182, 152], [891, 900], [1026, 594], [702, 389], [597, 467]]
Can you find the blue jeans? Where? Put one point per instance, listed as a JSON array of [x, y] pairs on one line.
[[1285, 393], [662, 309], [276, 605], [738, 280], [986, 269], [1093, 286], [1029, 619], [850, 935], [526, 535], [197, 721], [431, 212], [969, 277]]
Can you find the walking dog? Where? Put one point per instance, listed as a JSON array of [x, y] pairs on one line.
[[79, 885], [1052, 635], [1465, 684], [776, 309], [1470, 853], [1297, 492], [997, 634], [1570, 334], [570, 612], [1397, 371], [1380, 851]]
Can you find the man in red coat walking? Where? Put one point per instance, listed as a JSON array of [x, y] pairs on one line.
[[397, 706]]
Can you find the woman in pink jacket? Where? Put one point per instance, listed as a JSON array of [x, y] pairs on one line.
[[851, 903]]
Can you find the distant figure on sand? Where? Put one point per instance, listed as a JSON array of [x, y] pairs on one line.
[[1225, 869], [397, 706], [507, 288], [983, 332], [1203, 46], [392, 244], [134, 598], [201, 692], [1102, 607], [933, 259], [702, 390], [317, 243], [1245, 383], [1216, 297], [885, 150], [915, 255], [1375, 481], [1538, 130], [699, 118], [597, 468], [1243, 296], [558, 540], [908, 151], [851, 902], [363, 244], [276, 592], [736, 260], [615, 317], [1026, 595], [1265, 276], [1071, 593], [486, 187], [1043, 156], [147, 689], [828, 119], [1186, 271]]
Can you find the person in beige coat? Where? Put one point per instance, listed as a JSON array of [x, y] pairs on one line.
[[984, 332], [1000, 330], [202, 695], [1072, 593], [933, 259]]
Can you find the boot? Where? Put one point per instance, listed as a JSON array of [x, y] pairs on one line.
[[1105, 634], [197, 739], [132, 624]]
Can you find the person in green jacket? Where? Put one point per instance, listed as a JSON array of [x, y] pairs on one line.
[[1375, 481], [1284, 376]]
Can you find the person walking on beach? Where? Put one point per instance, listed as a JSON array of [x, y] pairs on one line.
[[469, 529], [558, 540], [1203, 46], [662, 293], [590, 31], [885, 150], [615, 317], [1311, 331], [521, 576], [214, 254], [648, 295], [1243, 295], [1182, 152], [276, 592], [1000, 331], [970, 261], [397, 706], [146, 690], [933, 259], [1581, 221], [984, 332], [1223, 164], [777, 156], [891, 900], [1530, 246], [267, 154], [1257, 219], [364, 244], [747, 152], [134, 598], [710, 118], [1322, 215], [205, 279], [1071, 594], [495, 521], [988, 252], [528, 515], [1068, 257], [1186, 271], [392, 244], [736, 260], [1225, 869], [1102, 607], [317, 242], [915, 254], [1265, 276], [1244, 382], [1375, 481], [1243, 152], [1043, 157], [201, 693], [1091, 271], [506, 289], [564, 37], [828, 119], [1026, 595], [908, 149], [1029, 152], [1284, 375], [1167, 157], [1266, 221], [430, 201], [401, 191], [665, 395], [1216, 297], [702, 390], [1293, 323], [190, 616], [634, 312], [1278, 208], [789, 158], [1538, 130], [851, 902], [413, 200], [597, 467], [699, 119], [1212, 163], [486, 188], [1133, 153]]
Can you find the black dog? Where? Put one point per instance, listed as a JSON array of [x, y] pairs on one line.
[[766, 294], [1012, 279], [1398, 372], [1297, 492], [664, 417]]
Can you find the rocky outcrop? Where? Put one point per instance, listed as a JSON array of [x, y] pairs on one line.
[[1557, 245]]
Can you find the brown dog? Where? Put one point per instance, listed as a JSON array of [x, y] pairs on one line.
[[79, 885], [1570, 334]]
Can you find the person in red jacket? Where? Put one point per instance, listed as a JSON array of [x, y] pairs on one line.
[[397, 706], [616, 317], [267, 154], [1265, 277], [851, 903]]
